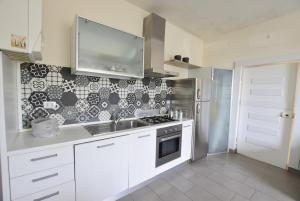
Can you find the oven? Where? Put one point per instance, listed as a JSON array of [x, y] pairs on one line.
[[168, 144]]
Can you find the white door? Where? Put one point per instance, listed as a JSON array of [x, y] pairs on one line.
[[142, 157], [101, 169], [266, 112]]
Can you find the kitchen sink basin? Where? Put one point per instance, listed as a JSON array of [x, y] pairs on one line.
[[105, 128]]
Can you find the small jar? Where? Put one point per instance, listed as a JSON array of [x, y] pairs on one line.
[[180, 115]]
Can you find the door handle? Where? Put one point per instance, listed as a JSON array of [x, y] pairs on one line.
[[286, 115], [47, 196], [45, 177], [105, 145], [44, 157], [198, 93], [198, 108], [169, 138], [142, 136]]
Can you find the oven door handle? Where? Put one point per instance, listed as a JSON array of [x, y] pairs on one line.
[[169, 138]]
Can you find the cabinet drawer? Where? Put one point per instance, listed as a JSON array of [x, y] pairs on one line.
[[41, 160], [65, 192], [32, 183]]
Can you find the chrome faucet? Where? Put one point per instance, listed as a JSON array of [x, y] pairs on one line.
[[116, 117]]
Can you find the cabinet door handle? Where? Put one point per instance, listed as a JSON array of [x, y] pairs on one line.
[[45, 177], [142, 136], [44, 157], [47, 196], [187, 126], [105, 145]]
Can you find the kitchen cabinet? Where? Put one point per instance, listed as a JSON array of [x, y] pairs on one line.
[[101, 169], [21, 29], [38, 175], [28, 184], [142, 157], [64, 192], [100, 49], [40, 160], [187, 133]]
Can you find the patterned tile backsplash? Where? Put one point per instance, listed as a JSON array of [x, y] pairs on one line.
[[85, 98]]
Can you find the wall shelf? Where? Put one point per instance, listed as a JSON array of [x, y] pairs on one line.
[[181, 64]]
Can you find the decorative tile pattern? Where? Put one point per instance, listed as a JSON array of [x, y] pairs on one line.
[[39, 112], [38, 70], [54, 78], [25, 75], [69, 85], [38, 84], [93, 98], [58, 117], [94, 111], [55, 92], [86, 98], [38, 98], [82, 105], [104, 116]]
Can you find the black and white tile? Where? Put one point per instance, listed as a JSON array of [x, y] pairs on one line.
[[86, 98]]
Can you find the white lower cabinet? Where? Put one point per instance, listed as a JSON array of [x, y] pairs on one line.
[[101, 169], [142, 157], [65, 192], [43, 175], [22, 186], [104, 169], [186, 146]]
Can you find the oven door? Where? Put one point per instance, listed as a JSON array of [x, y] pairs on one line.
[[168, 148]]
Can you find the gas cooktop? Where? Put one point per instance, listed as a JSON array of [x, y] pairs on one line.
[[157, 119]]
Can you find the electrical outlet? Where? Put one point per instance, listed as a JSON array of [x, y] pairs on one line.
[[51, 105]]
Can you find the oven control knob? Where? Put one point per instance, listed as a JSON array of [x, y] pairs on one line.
[[165, 131]]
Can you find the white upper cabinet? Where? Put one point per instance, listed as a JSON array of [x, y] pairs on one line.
[[100, 49], [142, 157], [21, 29]]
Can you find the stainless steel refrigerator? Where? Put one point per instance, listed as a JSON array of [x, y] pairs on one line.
[[192, 96], [206, 99]]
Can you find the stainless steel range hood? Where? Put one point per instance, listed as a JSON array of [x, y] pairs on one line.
[[154, 36]]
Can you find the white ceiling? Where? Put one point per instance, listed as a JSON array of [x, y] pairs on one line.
[[211, 18]]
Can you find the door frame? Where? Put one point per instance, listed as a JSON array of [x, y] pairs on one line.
[[237, 86]]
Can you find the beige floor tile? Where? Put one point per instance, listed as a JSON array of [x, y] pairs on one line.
[[239, 188], [224, 177], [144, 194], [218, 190], [239, 198], [174, 195], [160, 186], [259, 196], [198, 194]]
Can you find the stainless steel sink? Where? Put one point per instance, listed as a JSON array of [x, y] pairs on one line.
[[105, 128]]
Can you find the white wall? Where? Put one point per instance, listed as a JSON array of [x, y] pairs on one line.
[[8, 115], [276, 37], [294, 152], [294, 159], [58, 16]]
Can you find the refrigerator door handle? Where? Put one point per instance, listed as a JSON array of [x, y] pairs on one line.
[[198, 94], [198, 108]]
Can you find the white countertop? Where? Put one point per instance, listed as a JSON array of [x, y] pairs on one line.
[[71, 135]]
